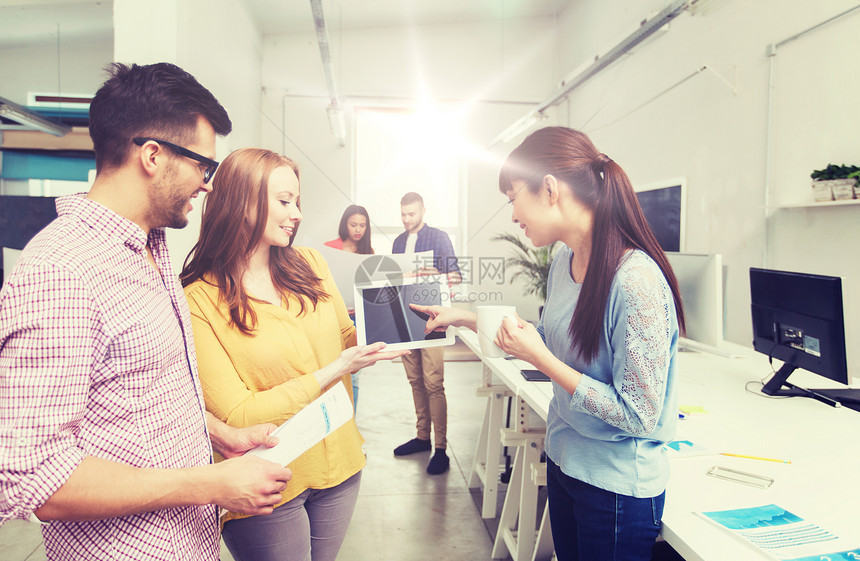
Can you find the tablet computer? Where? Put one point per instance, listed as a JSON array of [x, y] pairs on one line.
[[382, 312]]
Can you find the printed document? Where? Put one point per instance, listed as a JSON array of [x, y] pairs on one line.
[[782, 534], [315, 421]]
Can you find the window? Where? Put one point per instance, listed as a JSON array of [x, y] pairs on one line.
[[401, 150]]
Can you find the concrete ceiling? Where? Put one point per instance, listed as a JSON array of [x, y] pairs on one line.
[[28, 22], [280, 16]]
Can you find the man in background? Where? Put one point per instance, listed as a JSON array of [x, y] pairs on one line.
[[103, 431], [425, 368]]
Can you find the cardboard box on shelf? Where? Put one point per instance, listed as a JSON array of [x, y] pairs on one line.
[[78, 139]]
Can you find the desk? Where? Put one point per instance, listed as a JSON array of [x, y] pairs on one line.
[[526, 435], [821, 483]]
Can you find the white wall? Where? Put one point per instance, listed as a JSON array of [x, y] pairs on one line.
[[498, 64], [717, 138], [218, 43], [700, 128], [77, 68]]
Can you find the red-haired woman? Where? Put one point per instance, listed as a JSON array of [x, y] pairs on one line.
[[607, 337], [272, 334]]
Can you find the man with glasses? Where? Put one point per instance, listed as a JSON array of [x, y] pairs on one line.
[[103, 432]]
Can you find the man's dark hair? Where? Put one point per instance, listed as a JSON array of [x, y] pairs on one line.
[[156, 100], [410, 198]]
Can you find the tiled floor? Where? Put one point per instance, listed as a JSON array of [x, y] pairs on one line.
[[402, 514]]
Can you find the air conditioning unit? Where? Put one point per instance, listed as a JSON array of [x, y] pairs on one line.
[[57, 100]]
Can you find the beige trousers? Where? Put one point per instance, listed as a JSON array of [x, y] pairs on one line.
[[425, 369]]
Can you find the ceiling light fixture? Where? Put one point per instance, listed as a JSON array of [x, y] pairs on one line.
[[645, 30], [337, 123], [520, 126]]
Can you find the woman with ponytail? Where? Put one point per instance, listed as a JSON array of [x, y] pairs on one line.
[[607, 338]]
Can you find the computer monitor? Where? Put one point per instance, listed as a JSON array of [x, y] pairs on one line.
[[700, 280], [798, 318], [664, 205]]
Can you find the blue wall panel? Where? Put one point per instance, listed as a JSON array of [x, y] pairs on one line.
[[29, 165]]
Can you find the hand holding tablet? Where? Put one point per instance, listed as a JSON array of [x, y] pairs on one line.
[[356, 358]]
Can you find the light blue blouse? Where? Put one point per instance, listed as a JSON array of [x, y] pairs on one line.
[[610, 433]]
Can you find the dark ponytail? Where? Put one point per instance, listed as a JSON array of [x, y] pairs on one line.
[[619, 223]]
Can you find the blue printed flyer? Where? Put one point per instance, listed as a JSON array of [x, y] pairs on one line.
[[686, 448], [782, 534], [315, 421]]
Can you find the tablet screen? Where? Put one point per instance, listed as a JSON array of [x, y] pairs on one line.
[[383, 313]]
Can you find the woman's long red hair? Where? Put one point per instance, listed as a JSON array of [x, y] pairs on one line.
[[240, 190], [619, 223]]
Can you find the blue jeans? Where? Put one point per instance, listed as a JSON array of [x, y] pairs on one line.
[[592, 524]]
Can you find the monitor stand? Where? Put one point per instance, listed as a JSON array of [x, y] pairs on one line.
[[778, 386]]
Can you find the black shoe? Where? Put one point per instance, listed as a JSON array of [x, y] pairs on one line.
[[414, 445], [438, 463]]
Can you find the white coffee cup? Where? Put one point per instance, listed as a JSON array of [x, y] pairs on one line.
[[489, 321]]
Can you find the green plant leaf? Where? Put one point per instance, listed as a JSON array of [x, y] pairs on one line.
[[531, 264], [832, 171]]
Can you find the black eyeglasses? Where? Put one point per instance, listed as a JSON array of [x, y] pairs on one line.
[[211, 165]]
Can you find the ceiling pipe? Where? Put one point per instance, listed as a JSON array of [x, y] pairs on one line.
[[336, 119], [645, 30]]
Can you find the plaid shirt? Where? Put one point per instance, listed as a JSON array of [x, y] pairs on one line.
[[97, 358], [433, 239]]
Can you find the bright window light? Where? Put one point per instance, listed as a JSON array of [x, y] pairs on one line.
[[398, 151]]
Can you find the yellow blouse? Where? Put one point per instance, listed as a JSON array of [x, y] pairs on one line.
[[266, 377]]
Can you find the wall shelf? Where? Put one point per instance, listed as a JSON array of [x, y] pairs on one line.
[[812, 204]]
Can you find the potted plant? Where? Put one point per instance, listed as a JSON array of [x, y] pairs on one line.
[[856, 177], [530, 263], [835, 182]]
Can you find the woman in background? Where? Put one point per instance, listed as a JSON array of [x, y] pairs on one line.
[[272, 334], [607, 339], [353, 232], [354, 237]]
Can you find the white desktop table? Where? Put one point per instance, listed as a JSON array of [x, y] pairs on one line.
[[821, 484]]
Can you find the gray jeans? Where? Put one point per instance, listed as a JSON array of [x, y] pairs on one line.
[[310, 527]]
